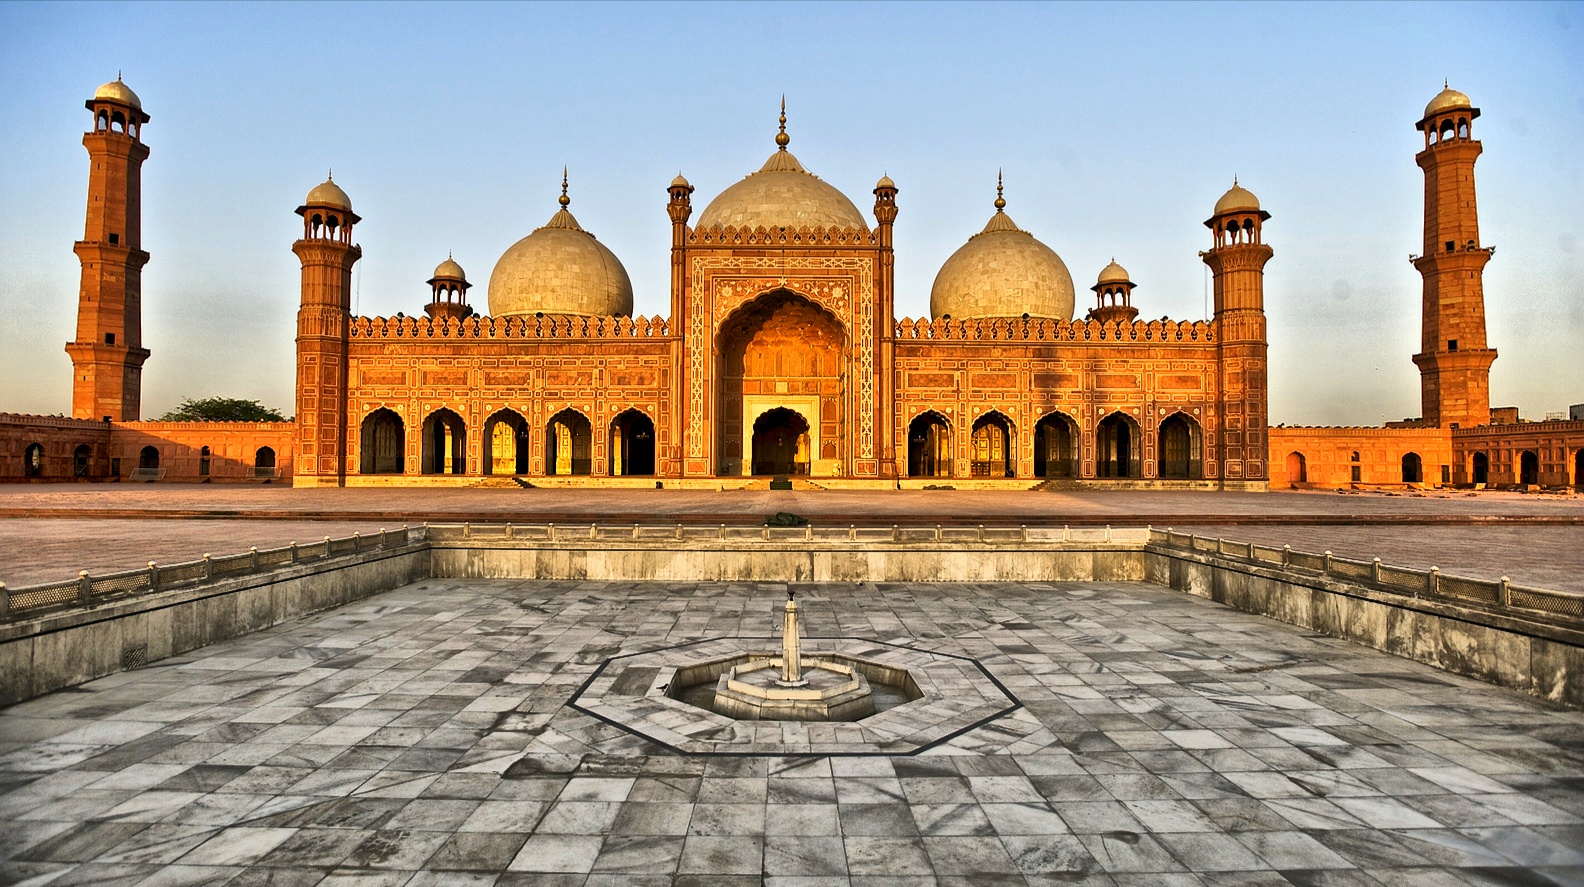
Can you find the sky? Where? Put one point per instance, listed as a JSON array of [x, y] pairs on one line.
[[1117, 125]]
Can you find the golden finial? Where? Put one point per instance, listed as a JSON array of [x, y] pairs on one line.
[[1234, 180], [564, 200], [782, 139], [118, 75], [330, 174], [1000, 202]]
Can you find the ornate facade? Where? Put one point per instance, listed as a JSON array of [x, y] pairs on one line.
[[781, 355]]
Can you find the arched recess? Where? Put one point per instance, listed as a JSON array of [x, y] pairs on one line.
[[929, 446], [1117, 446], [781, 350], [1056, 446], [1529, 467], [383, 443], [506, 443], [203, 462], [1181, 447], [444, 443], [264, 462], [80, 460], [33, 460], [1480, 472], [568, 444], [780, 443], [1297, 468], [149, 457], [1412, 469], [992, 443], [1578, 469], [632, 444]]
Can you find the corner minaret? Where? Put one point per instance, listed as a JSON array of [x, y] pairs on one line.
[[328, 254], [108, 353], [1453, 360], [1238, 262]]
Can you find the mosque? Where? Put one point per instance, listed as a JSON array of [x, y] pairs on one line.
[[781, 357]]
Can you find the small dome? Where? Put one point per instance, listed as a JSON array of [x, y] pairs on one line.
[[1447, 100], [1113, 273], [885, 182], [449, 270], [560, 269], [1237, 200], [1003, 272], [116, 91], [680, 182], [328, 193]]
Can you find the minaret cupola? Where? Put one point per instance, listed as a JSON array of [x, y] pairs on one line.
[[448, 292], [1113, 295], [327, 213]]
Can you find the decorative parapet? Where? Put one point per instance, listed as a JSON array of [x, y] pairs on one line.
[[60, 422], [761, 236], [539, 326], [1045, 329]]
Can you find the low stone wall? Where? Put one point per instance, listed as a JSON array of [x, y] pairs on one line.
[[48, 652], [1533, 652]]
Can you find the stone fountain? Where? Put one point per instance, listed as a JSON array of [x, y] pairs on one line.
[[794, 687]]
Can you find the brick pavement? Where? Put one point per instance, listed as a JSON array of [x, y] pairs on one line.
[[422, 737]]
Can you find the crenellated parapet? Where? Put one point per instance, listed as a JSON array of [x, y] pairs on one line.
[[540, 326], [759, 235], [1045, 329]]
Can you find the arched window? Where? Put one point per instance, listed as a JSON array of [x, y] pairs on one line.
[[632, 444], [568, 444], [33, 460], [1297, 468], [382, 443], [1056, 446], [1357, 470], [264, 462], [929, 446], [1412, 469], [444, 443], [506, 443], [149, 458], [1181, 448], [1529, 467], [203, 462], [993, 452], [80, 457], [1117, 446]]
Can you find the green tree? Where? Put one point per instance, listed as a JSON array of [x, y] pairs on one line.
[[222, 409]]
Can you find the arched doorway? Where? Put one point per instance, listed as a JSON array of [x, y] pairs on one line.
[[1056, 447], [1412, 469], [632, 444], [382, 446], [506, 443], [1116, 447], [780, 443], [992, 447], [1529, 467], [1481, 471], [264, 462], [568, 444], [149, 458], [1297, 468], [80, 457], [1181, 448], [1578, 469], [203, 462], [929, 446], [444, 444], [33, 460], [780, 350]]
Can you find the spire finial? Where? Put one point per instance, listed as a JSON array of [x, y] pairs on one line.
[[564, 200], [782, 139], [118, 75], [1446, 82], [1234, 180], [330, 174], [1000, 201]]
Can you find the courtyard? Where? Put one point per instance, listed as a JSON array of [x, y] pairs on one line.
[[425, 736]]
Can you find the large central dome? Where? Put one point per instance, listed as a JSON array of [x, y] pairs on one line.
[[1003, 272], [560, 269], [782, 194]]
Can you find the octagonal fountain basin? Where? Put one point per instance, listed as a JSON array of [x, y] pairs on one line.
[[748, 686]]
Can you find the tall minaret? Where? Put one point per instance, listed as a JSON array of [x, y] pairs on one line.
[[108, 353], [1454, 363], [328, 254], [1238, 263]]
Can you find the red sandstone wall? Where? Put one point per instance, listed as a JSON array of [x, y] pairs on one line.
[[59, 437], [1328, 455], [1556, 446], [233, 449]]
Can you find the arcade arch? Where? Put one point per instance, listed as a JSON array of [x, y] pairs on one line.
[[992, 446], [444, 443], [1056, 446], [632, 444], [506, 443], [383, 443], [1117, 446], [569, 444], [1181, 443], [929, 446]]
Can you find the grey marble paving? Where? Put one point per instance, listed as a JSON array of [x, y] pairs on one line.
[[423, 737]]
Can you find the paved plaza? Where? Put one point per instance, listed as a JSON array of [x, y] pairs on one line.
[[424, 736]]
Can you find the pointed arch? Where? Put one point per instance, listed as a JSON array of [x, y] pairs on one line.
[[568, 444], [1297, 468], [1529, 467], [506, 442], [33, 460], [993, 446], [929, 445], [1180, 447], [1412, 469], [80, 460], [1117, 447], [632, 444], [444, 443], [383, 443], [1056, 445]]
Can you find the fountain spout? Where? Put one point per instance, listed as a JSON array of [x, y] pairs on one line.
[[791, 650]]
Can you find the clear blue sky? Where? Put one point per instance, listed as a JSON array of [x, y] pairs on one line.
[[1118, 126]]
